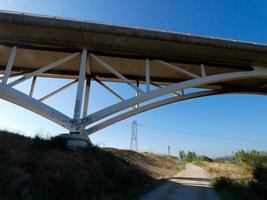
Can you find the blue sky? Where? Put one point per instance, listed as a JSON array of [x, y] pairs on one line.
[[215, 125]]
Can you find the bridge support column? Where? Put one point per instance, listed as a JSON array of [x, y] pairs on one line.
[[78, 139], [80, 87]]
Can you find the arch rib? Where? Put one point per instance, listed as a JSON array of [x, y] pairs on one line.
[[164, 102], [125, 115], [25, 101], [169, 89]]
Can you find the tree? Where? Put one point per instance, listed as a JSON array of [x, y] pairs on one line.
[[251, 158], [191, 156], [182, 155]]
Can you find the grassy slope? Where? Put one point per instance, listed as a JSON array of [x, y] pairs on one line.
[[158, 166], [40, 169]]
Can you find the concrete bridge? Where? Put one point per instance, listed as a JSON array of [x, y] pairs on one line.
[[33, 46]]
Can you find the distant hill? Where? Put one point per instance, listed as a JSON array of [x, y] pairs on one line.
[[39, 169]]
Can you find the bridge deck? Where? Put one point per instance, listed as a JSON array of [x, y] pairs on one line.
[[42, 40]]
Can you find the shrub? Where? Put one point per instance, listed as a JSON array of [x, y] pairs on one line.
[[182, 155], [191, 156], [222, 183], [233, 189], [58, 142], [254, 189], [204, 158], [39, 143], [252, 158]]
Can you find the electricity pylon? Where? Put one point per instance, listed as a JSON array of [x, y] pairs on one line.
[[134, 141]]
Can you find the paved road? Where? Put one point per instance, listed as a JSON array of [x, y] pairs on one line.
[[193, 183]]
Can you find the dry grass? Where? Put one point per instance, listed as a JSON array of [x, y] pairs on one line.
[[231, 170], [41, 169], [241, 183], [162, 161], [158, 166]]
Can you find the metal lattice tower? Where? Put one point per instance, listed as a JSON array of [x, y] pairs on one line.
[[134, 140]]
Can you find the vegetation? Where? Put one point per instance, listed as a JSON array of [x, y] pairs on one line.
[[250, 187], [41, 169], [226, 169], [159, 166], [191, 156], [252, 158]]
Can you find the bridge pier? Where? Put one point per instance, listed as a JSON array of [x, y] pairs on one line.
[[79, 139], [76, 140]]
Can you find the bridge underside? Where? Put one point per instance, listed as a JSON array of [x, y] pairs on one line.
[[154, 64]]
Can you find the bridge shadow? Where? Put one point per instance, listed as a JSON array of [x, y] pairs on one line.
[[192, 179]]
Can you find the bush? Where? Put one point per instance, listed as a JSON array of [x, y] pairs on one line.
[[39, 143], [182, 155], [251, 158], [58, 142], [191, 156], [205, 158], [222, 183], [260, 183], [254, 189], [232, 189]]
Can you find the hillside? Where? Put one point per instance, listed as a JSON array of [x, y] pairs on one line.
[[39, 169], [157, 166]]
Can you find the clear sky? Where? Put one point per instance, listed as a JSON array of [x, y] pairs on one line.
[[215, 126]]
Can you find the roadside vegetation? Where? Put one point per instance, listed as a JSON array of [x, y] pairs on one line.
[[244, 177], [41, 169], [192, 156]]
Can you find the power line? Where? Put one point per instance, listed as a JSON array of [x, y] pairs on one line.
[[199, 135], [200, 138]]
